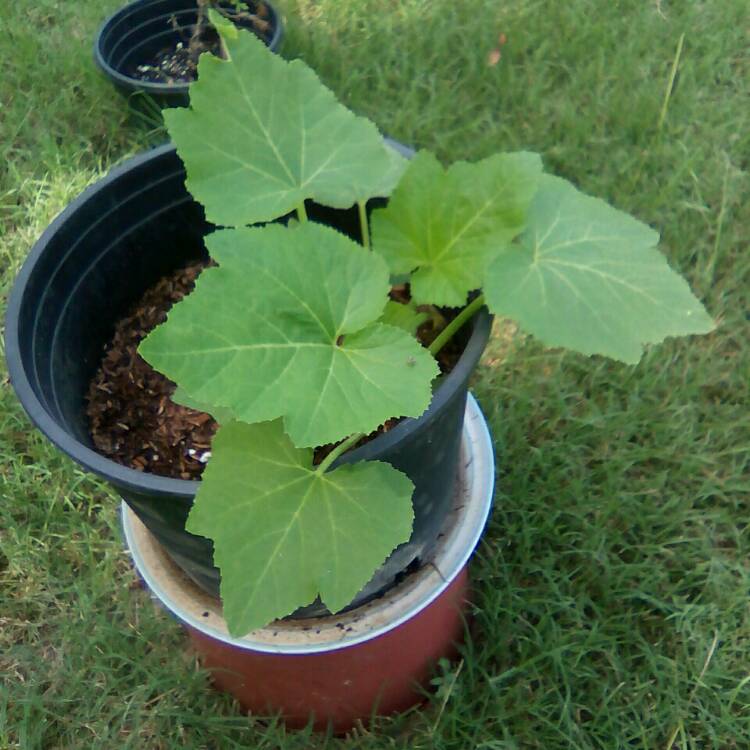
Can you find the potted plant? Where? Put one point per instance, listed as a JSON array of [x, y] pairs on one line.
[[292, 342], [151, 47]]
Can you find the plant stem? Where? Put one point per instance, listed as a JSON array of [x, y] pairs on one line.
[[449, 331], [365, 227], [301, 213], [342, 447]]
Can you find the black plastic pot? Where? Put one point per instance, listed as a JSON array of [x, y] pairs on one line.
[[92, 264], [135, 34]]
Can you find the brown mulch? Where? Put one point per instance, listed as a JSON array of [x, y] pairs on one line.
[[133, 420]]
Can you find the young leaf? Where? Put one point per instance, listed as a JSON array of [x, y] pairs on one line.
[[220, 414], [590, 278], [285, 533], [262, 135], [226, 29], [285, 326], [446, 225], [404, 316]]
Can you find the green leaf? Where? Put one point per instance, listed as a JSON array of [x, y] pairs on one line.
[[590, 278], [390, 173], [220, 414], [446, 225], [262, 135], [226, 29], [404, 316], [285, 326], [284, 533]]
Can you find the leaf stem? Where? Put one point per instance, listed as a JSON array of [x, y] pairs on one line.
[[365, 227], [342, 447], [450, 330], [301, 213]]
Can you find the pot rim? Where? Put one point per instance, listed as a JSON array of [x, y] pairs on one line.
[[124, 476], [152, 87], [197, 610]]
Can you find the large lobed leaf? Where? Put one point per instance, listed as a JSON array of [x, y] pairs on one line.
[[285, 533], [286, 326], [262, 135], [590, 278], [446, 225]]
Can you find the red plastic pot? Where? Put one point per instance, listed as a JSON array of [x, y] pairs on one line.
[[340, 669]]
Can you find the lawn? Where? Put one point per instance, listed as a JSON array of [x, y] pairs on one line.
[[611, 589]]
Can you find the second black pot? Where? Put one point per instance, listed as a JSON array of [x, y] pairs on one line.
[[135, 34], [93, 263]]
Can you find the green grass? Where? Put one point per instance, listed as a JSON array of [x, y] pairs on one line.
[[611, 589]]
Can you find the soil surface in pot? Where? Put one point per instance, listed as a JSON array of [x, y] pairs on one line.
[[134, 421], [178, 63]]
